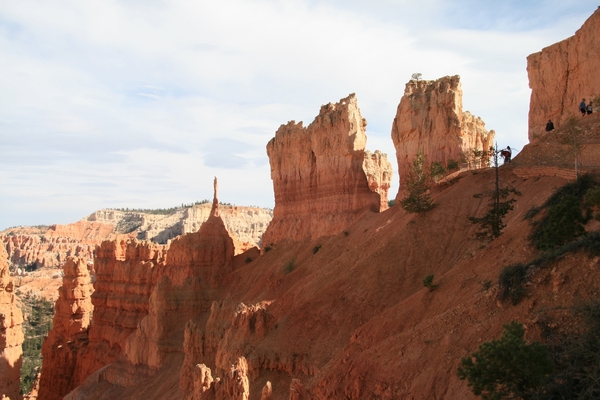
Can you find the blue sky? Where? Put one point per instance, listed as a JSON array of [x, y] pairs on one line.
[[141, 103]]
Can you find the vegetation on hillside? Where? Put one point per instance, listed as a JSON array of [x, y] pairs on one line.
[[499, 204], [38, 313], [417, 198], [507, 368]]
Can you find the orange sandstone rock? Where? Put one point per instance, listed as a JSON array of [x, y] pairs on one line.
[[11, 334], [68, 337], [430, 118], [561, 75], [322, 174]]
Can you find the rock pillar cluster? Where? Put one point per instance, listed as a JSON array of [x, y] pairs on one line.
[[68, 337], [11, 334], [430, 118], [561, 75], [322, 174]]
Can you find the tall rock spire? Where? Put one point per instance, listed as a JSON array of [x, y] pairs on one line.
[[214, 212]]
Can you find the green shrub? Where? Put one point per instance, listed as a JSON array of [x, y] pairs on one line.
[[507, 368], [562, 223], [576, 355], [511, 282], [289, 267], [452, 165], [417, 199], [437, 170], [428, 283]]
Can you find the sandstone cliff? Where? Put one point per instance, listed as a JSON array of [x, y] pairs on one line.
[[322, 174], [11, 334], [430, 118], [68, 337], [561, 75], [51, 247]]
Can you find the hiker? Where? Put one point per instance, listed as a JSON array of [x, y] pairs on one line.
[[582, 107], [549, 126], [506, 154], [589, 108]]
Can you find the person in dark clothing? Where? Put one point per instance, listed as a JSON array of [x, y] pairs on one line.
[[589, 108], [507, 154], [549, 126], [582, 107]]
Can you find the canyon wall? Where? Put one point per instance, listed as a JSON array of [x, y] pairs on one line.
[[11, 334], [68, 337], [125, 272], [561, 75], [50, 247], [322, 174], [430, 118]]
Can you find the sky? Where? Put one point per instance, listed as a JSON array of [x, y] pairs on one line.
[[140, 103]]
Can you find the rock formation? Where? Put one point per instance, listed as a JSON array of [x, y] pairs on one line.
[[11, 334], [430, 118], [561, 75], [322, 174], [125, 277], [144, 298], [50, 247], [68, 337]]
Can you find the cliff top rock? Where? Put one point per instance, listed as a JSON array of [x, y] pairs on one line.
[[430, 118], [322, 175], [563, 74]]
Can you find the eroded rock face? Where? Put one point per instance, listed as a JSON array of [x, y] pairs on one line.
[[322, 175], [68, 337], [125, 278], [11, 334], [50, 247], [561, 75], [430, 118]]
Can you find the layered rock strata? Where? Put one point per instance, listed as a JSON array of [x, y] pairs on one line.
[[563, 74], [125, 277], [11, 334], [51, 246], [430, 118], [160, 294], [322, 174], [68, 337]]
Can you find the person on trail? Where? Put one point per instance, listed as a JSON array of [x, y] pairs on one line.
[[589, 108], [549, 126], [507, 154], [582, 107]]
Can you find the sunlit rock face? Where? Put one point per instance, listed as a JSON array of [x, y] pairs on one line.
[[11, 334], [430, 118], [563, 74], [322, 174], [68, 337]]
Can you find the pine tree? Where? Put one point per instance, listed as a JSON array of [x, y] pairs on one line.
[[507, 368], [417, 199], [492, 223]]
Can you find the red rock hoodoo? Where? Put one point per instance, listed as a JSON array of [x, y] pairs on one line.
[[11, 334], [561, 75], [68, 337], [430, 118], [322, 174]]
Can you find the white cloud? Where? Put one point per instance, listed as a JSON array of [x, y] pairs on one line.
[[141, 103]]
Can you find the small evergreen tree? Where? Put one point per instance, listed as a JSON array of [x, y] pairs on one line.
[[507, 368], [492, 223], [417, 199]]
